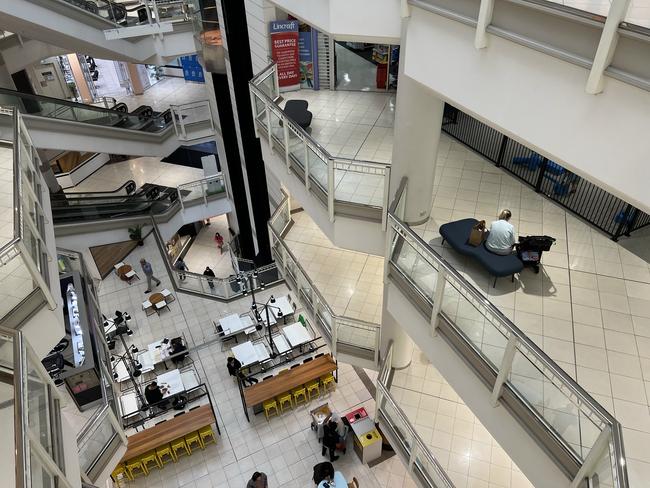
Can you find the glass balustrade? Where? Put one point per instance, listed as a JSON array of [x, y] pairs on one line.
[[509, 360], [202, 191], [192, 120], [360, 186]]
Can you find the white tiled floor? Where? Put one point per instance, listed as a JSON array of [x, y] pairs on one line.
[[168, 91], [461, 444], [204, 252], [589, 307], [351, 282], [284, 447], [141, 170]]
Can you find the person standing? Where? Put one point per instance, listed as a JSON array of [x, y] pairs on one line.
[[210, 274], [148, 272], [258, 480], [180, 266], [218, 238]]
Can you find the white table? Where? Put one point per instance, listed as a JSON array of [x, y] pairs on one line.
[[119, 367], [297, 334], [190, 380], [172, 380], [234, 324], [159, 351], [248, 353], [281, 344], [146, 360], [129, 403], [283, 304]]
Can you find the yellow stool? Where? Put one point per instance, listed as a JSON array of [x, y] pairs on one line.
[[328, 382], [206, 433], [194, 438], [180, 444], [134, 464], [150, 457], [313, 387], [120, 470], [284, 399], [299, 395], [268, 406], [165, 450]]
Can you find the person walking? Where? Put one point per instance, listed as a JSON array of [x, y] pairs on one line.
[[258, 480], [218, 238], [148, 272], [180, 266], [210, 274]]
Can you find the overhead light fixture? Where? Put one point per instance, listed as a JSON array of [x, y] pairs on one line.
[[115, 376], [272, 299], [279, 313], [129, 332], [262, 285]]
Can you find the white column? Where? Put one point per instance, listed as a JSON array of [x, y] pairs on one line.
[[418, 119], [402, 343]]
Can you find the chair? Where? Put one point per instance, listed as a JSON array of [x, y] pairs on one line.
[[313, 387], [163, 451], [299, 395], [207, 435], [120, 470], [284, 399], [267, 378], [194, 438], [180, 444], [136, 464], [150, 457], [328, 381], [307, 360], [295, 366], [319, 355], [268, 406]]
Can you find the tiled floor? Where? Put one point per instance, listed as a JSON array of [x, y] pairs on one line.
[[141, 170], [350, 282], [204, 252], [168, 91], [462, 445], [589, 307], [284, 447], [638, 12]]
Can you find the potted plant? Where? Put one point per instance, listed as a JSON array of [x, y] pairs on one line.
[[135, 234]]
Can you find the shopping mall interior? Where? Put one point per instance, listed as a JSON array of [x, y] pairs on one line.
[[279, 243]]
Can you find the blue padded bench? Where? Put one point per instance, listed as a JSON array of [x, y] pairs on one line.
[[456, 234]]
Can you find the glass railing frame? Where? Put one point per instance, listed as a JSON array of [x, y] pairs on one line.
[[309, 295], [203, 183], [517, 341], [281, 145], [180, 124]]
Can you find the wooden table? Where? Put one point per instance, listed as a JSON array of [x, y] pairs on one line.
[[123, 270], [296, 377], [156, 297], [173, 428]]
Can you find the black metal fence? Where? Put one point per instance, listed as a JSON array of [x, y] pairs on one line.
[[600, 208]]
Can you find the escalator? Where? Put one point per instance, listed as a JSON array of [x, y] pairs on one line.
[[126, 189], [64, 125], [150, 199]]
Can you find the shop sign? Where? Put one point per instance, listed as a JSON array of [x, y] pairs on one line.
[[284, 51]]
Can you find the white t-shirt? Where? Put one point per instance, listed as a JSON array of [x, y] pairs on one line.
[[501, 237]]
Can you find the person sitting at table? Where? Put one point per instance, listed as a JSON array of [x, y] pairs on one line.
[[330, 440], [176, 350], [326, 477], [233, 366], [153, 394]]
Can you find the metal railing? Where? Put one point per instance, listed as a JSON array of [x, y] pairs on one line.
[[345, 335], [27, 250], [202, 190], [193, 120], [38, 447], [600, 208], [95, 440], [581, 436], [420, 462], [144, 12], [320, 172]]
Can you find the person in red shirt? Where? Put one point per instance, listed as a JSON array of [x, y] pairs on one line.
[[218, 238]]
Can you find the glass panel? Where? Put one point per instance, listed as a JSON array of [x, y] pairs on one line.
[[215, 186], [317, 168], [400, 427], [359, 184], [428, 468], [356, 334], [38, 411], [260, 108], [296, 147], [40, 478], [423, 273], [267, 86], [277, 131], [95, 441], [7, 409], [550, 402]]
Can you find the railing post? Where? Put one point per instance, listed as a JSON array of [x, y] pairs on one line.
[[540, 176], [204, 190], [502, 150], [307, 182], [591, 461], [504, 369], [335, 334], [330, 188], [623, 223], [285, 127], [269, 125], [180, 197], [385, 202], [254, 108], [438, 295]]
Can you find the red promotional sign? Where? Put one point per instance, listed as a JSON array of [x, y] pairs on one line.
[[284, 51]]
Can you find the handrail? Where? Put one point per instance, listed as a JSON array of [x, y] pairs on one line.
[[582, 397], [121, 187]]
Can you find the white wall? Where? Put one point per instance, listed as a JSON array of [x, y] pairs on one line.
[[258, 15], [68, 180], [357, 20], [538, 100]]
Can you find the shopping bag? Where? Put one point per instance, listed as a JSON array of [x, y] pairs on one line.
[[477, 234]]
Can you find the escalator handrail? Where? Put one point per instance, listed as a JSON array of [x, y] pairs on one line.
[[102, 192]]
